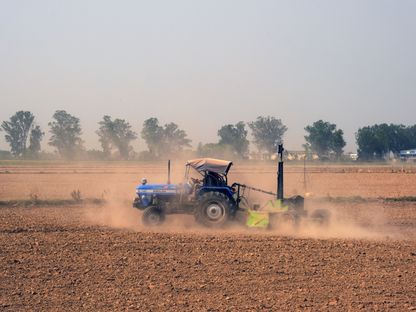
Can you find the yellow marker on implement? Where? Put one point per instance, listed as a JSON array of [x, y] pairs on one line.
[[257, 219], [275, 205], [261, 219]]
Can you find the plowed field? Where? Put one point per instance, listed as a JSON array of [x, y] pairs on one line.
[[86, 257]]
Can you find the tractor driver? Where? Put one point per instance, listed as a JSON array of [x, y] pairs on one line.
[[195, 184], [191, 186]]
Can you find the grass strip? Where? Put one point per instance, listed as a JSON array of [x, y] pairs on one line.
[[401, 199], [50, 202]]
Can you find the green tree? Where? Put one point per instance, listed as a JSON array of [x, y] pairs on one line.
[[164, 141], [268, 133], [153, 135], [116, 133], [236, 137], [323, 138], [411, 135], [36, 135], [374, 142], [399, 137], [20, 131], [370, 144], [175, 139], [66, 133]]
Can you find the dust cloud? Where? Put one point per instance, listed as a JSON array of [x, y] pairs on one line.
[[344, 223], [117, 186]]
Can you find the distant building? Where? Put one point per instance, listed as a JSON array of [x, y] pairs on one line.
[[352, 156], [408, 154], [260, 156], [296, 155], [301, 155]]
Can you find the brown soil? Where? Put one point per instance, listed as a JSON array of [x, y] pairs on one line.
[[55, 259], [98, 179], [101, 258]]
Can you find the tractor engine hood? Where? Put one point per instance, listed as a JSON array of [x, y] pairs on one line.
[[157, 189], [147, 192]]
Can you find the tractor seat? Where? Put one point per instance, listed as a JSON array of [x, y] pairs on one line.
[[213, 179]]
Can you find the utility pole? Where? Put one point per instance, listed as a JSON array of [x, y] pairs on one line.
[[280, 150]]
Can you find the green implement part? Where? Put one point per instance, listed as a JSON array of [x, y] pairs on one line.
[[261, 218], [257, 219], [275, 205]]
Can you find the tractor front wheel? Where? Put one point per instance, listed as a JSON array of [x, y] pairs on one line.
[[213, 209], [153, 216]]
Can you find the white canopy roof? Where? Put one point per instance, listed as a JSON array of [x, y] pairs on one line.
[[210, 164]]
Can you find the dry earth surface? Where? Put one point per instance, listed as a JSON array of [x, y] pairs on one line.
[[85, 257], [96, 179]]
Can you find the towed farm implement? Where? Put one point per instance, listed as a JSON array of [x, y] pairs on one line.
[[213, 202]]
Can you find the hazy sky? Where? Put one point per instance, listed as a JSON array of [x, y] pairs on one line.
[[202, 64]]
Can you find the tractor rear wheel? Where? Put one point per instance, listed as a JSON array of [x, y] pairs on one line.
[[153, 216], [213, 209]]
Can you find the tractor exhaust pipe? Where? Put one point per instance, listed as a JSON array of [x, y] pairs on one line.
[[169, 171], [280, 173]]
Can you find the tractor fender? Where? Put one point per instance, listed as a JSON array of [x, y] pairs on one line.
[[223, 190]]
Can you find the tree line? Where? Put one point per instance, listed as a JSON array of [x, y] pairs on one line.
[[116, 135], [374, 142]]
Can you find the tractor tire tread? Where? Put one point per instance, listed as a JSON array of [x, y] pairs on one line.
[[152, 210], [200, 215]]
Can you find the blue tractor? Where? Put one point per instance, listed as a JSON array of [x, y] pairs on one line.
[[209, 198], [213, 202]]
